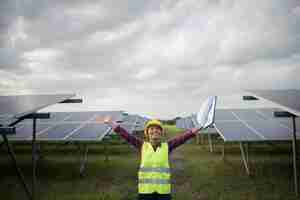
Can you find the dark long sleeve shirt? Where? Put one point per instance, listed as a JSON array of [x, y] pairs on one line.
[[137, 143]]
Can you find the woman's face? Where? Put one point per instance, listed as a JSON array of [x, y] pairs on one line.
[[155, 135]]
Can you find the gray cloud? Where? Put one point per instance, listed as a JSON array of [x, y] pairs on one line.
[[148, 56]]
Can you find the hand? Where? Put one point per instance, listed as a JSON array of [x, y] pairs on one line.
[[106, 120], [195, 130]]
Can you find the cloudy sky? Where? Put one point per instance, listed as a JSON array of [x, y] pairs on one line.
[[156, 57]]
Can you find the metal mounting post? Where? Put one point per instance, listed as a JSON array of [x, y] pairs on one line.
[[19, 173], [210, 143], [244, 158], [84, 160], [294, 143]]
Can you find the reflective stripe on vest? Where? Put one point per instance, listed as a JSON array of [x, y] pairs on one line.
[[154, 181], [154, 173], [155, 169]]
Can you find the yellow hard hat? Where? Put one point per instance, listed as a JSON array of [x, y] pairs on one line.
[[153, 122]]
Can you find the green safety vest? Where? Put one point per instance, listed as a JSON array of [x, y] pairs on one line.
[[154, 172]]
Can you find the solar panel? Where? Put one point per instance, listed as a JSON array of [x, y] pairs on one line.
[[247, 114], [267, 113], [182, 123], [117, 116], [133, 123], [58, 132], [179, 123], [262, 124], [63, 125], [236, 131], [90, 132], [24, 131], [12, 107], [287, 99], [130, 119], [187, 123], [272, 129], [81, 116], [54, 118], [224, 114]]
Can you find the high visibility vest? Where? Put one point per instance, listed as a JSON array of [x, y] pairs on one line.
[[154, 173]]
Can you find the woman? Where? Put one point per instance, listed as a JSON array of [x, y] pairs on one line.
[[154, 173]]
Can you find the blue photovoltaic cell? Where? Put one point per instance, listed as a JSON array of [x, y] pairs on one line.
[[55, 117], [81, 116], [133, 123], [247, 114], [188, 123], [24, 131], [58, 132], [90, 132], [267, 112], [236, 131], [182, 123], [224, 114], [130, 119], [289, 122], [272, 129], [178, 123]]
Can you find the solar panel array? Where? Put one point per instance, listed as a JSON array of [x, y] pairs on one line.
[[75, 126], [68, 126], [248, 125], [133, 123]]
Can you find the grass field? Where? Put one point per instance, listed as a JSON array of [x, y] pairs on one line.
[[196, 173]]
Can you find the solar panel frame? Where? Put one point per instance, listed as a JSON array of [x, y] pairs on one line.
[[228, 131], [57, 132], [90, 132], [14, 107], [54, 122], [284, 124], [285, 99], [224, 115], [24, 131], [273, 130], [247, 114]]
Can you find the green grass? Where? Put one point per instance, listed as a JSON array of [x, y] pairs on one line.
[[203, 175]]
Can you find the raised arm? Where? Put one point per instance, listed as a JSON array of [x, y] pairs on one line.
[[182, 138], [134, 141]]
